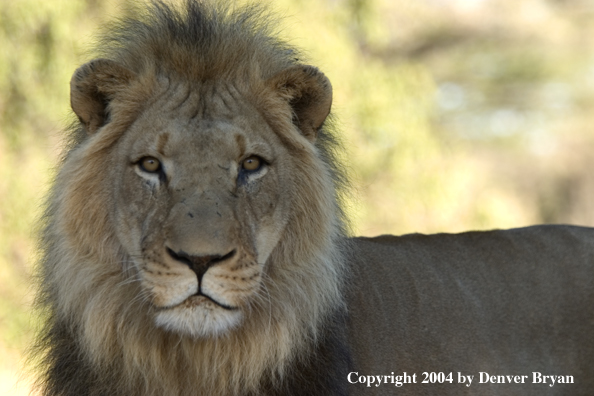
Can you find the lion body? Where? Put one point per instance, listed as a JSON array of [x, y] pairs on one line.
[[506, 303], [194, 242]]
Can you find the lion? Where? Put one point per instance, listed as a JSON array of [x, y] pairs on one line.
[[195, 244]]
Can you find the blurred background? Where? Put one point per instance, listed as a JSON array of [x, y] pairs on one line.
[[456, 115]]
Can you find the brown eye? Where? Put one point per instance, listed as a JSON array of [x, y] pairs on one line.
[[150, 164], [252, 163]]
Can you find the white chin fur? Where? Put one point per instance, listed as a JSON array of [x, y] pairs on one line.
[[207, 320]]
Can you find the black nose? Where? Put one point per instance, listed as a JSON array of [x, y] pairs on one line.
[[199, 264]]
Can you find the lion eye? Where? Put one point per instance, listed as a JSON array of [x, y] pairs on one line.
[[150, 164], [251, 163]]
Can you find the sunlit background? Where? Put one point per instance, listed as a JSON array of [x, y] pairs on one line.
[[456, 114]]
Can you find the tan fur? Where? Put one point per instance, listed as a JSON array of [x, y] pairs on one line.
[[204, 279], [200, 108]]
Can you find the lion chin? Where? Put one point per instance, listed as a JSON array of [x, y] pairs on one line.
[[198, 316]]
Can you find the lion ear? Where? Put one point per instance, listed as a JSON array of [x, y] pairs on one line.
[[92, 87], [309, 94]]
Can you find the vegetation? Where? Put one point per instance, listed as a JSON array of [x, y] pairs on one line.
[[455, 114]]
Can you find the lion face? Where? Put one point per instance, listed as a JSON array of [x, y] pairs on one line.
[[199, 206], [201, 179]]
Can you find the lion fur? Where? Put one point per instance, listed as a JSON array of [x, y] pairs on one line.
[[93, 341]]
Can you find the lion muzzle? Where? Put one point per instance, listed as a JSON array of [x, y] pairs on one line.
[[201, 264], [202, 272]]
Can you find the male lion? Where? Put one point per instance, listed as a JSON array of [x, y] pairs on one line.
[[194, 244]]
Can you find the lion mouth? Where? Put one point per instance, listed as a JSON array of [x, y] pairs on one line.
[[197, 300]]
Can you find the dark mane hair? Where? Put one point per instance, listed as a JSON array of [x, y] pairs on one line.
[[197, 41]]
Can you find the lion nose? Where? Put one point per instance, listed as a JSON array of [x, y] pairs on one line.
[[199, 264]]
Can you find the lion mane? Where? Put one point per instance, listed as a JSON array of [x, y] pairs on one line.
[[100, 336], [194, 243]]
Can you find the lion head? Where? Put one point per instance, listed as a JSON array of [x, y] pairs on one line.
[[195, 214], [202, 188]]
